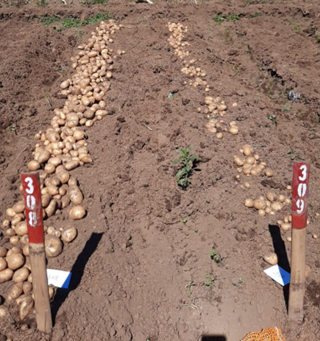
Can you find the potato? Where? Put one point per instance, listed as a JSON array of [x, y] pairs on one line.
[[33, 165], [63, 176], [16, 249], [50, 210], [71, 164], [256, 170], [15, 261], [24, 239], [3, 312], [248, 202], [72, 181], [77, 212], [271, 196], [27, 287], [281, 198], [25, 250], [51, 230], [21, 228], [5, 275], [49, 168], [286, 226], [268, 172], [10, 212], [69, 235], [14, 240], [52, 189], [277, 206], [53, 246], [30, 278], [45, 199], [238, 160], [41, 155], [10, 232], [3, 264], [5, 223], [234, 130], [25, 307], [18, 207], [247, 149], [75, 195], [56, 161], [259, 204], [14, 291], [271, 258], [3, 251], [21, 275]]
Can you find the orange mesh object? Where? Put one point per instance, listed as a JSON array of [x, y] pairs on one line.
[[268, 334]]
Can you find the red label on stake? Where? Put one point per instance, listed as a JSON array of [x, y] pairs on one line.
[[33, 207], [300, 190]]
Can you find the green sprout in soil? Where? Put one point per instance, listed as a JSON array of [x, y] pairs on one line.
[[196, 230], [184, 220], [273, 119], [68, 22], [240, 281], [285, 108], [186, 166], [209, 281], [255, 15], [219, 19], [214, 256]]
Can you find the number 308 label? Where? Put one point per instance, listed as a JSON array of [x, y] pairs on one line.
[[33, 207], [300, 191]]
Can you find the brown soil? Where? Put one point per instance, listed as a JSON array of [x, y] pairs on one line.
[[138, 270]]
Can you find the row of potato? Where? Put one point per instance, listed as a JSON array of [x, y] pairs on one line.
[[59, 150], [248, 163], [214, 107]]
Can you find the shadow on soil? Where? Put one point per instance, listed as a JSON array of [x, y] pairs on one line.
[[283, 261], [77, 272], [213, 338]]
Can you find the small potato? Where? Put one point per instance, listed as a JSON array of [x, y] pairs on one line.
[[18, 207], [15, 261], [21, 228], [10, 212], [14, 240], [71, 165], [27, 287], [33, 165], [25, 250], [238, 160], [271, 258], [49, 168], [69, 235], [259, 204], [53, 246], [248, 202], [21, 275], [286, 226], [50, 210], [268, 172], [63, 176], [14, 291], [271, 196], [5, 275], [45, 200], [247, 149], [10, 232], [75, 195], [3, 264], [41, 155], [24, 239], [77, 212], [277, 206], [25, 307], [3, 313], [281, 198]]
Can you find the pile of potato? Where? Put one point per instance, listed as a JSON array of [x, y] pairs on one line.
[[59, 150], [213, 107], [249, 163]]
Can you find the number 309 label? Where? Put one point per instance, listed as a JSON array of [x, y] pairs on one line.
[[33, 207], [300, 183]]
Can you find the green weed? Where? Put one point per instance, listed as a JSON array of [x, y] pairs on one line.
[[240, 281], [186, 165], [214, 256], [273, 119], [251, 16], [219, 19], [69, 22], [285, 108], [209, 280]]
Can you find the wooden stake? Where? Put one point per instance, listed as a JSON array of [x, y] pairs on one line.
[[300, 190], [33, 212]]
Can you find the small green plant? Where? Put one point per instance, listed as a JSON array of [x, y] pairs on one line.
[[11, 128], [273, 119], [186, 165], [240, 281], [255, 15], [41, 3], [318, 37], [219, 19], [196, 230], [189, 287], [285, 108], [209, 280], [214, 256], [184, 220]]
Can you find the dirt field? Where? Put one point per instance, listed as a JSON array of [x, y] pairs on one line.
[[141, 264]]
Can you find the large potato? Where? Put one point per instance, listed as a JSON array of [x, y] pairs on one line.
[[5, 275], [15, 261], [21, 275], [53, 246]]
